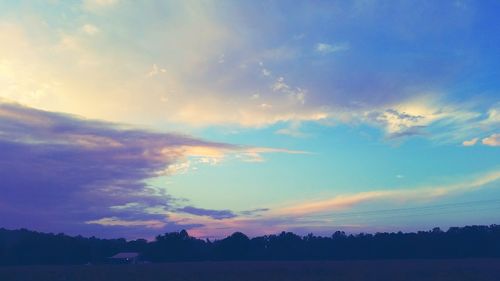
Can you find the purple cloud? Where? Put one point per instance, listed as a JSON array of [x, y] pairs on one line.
[[58, 172], [215, 214]]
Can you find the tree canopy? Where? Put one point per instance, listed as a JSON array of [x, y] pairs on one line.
[[23, 247]]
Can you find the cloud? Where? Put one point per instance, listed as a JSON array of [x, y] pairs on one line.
[[320, 215], [155, 70], [493, 116], [71, 71], [398, 123], [324, 48], [60, 68], [178, 168], [63, 173], [59, 171], [426, 115], [280, 85], [493, 140], [215, 214], [422, 194], [410, 117], [266, 72], [470, 142], [114, 221], [90, 29], [255, 154], [257, 211], [296, 95]]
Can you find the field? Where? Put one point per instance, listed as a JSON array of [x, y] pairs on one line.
[[408, 270]]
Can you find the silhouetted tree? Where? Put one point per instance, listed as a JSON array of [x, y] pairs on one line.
[[24, 247], [236, 246]]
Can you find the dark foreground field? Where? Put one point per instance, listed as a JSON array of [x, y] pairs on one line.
[[452, 270]]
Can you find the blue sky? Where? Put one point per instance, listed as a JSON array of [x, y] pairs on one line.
[[255, 116]]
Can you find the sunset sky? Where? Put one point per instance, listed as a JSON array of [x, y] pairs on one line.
[[134, 118]]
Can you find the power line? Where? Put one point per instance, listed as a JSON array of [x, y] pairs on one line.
[[416, 211]]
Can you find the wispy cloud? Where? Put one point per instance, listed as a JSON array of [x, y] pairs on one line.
[[307, 215], [324, 48], [114, 221], [215, 214], [421, 194]]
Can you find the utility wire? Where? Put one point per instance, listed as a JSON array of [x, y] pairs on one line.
[[416, 211]]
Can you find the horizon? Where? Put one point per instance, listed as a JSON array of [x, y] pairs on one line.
[[213, 239], [138, 119]]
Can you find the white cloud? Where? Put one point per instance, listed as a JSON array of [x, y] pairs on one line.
[[296, 95], [493, 140], [155, 70], [178, 168], [266, 106], [470, 142], [299, 95], [212, 161], [280, 85], [426, 115], [114, 221], [90, 29], [493, 117], [255, 96], [324, 48]]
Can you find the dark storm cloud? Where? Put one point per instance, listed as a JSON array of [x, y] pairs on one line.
[[58, 172]]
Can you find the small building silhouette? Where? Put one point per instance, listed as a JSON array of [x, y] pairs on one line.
[[125, 258]]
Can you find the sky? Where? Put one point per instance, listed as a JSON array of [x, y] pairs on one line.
[[135, 118]]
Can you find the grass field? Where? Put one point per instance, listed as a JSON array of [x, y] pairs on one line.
[[409, 270]]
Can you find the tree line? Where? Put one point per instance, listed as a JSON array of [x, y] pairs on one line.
[[24, 247]]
